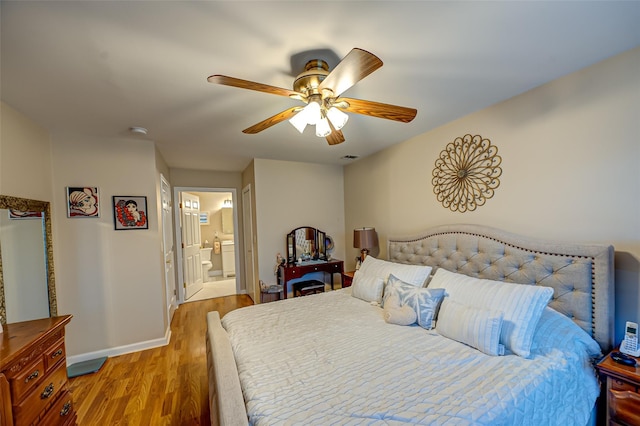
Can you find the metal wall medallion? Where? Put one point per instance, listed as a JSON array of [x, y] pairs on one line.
[[466, 173]]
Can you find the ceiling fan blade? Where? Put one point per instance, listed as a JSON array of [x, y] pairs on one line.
[[335, 137], [354, 67], [252, 85], [377, 109], [279, 117]]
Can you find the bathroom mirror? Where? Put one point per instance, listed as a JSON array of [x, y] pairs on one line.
[[227, 220], [306, 243], [27, 283]]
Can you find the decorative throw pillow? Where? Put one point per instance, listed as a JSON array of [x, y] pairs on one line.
[[556, 331], [424, 301], [478, 328], [367, 287], [411, 274], [521, 304], [400, 315]]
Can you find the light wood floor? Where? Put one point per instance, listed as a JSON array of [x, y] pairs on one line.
[[161, 386]]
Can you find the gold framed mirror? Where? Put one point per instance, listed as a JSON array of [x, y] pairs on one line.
[[26, 259]]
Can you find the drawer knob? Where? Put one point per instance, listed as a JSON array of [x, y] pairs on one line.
[[47, 392], [66, 408], [32, 376], [56, 353]]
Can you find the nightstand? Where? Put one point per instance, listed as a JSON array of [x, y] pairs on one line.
[[347, 278], [621, 391]]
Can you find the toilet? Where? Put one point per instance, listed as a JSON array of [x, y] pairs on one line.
[[205, 256]]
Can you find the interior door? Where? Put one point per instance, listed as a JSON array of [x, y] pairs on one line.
[[249, 259], [168, 248], [191, 261]]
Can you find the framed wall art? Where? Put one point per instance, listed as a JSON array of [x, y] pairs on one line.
[[83, 201], [130, 212], [466, 173], [17, 214]]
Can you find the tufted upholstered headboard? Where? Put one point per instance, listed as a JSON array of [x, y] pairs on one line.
[[580, 275]]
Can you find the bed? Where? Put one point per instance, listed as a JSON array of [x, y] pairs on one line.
[[507, 330]]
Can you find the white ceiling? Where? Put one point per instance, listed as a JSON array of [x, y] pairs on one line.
[[96, 68]]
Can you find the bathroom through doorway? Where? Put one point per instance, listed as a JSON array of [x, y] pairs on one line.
[[207, 235]]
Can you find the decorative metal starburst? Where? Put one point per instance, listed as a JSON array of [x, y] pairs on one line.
[[466, 173]]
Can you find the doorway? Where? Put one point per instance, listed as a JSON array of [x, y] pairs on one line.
[[216, 248]]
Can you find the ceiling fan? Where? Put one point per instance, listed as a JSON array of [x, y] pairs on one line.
[[320, 89]]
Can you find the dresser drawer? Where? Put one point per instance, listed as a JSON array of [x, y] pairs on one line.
[[624, 406], [336, 267], [294, 273], [60, 413], [26, 379], [40, 397], [54, 354], [621, 385]]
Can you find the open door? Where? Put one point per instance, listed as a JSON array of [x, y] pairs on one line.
[[191, 261], [168, 248]]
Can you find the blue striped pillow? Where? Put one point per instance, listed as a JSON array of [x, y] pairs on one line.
[[478, 328]]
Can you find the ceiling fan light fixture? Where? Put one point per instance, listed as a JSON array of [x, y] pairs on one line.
[[312, 112], [299, 121], [322, 128], [337, 118]]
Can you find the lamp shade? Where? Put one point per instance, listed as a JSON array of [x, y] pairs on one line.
[[337, 118], [365, 238], [322, 128], [299, 121], [310, 234]]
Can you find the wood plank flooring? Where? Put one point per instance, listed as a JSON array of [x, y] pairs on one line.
[[160, 386]]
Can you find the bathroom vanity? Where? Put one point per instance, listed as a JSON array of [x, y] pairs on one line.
[[228, 259]]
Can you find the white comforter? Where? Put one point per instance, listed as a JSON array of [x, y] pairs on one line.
[[331, 359]]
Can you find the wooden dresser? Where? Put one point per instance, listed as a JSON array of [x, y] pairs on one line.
[[33, 374]]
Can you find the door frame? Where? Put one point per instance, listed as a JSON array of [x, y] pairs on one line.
[[248, 235], [178, 234]]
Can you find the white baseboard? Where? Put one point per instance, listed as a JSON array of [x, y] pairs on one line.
[[215, 273], [121, 350]]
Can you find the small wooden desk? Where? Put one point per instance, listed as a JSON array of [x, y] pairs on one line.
[[289, 272]]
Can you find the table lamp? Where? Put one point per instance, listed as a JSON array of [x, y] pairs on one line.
[[365, 239]]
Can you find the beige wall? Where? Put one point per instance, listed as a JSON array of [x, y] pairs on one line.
[[292, 194], [25, 157], [570, 161], [108, 279], [25, 171]]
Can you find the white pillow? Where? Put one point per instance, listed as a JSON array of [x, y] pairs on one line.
[[522, 304], [367, 287], [411, 274], [424, 301], [478, 328], [556, 331]]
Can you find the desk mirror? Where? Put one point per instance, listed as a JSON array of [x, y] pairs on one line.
[[27, 283], [306, 243]]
